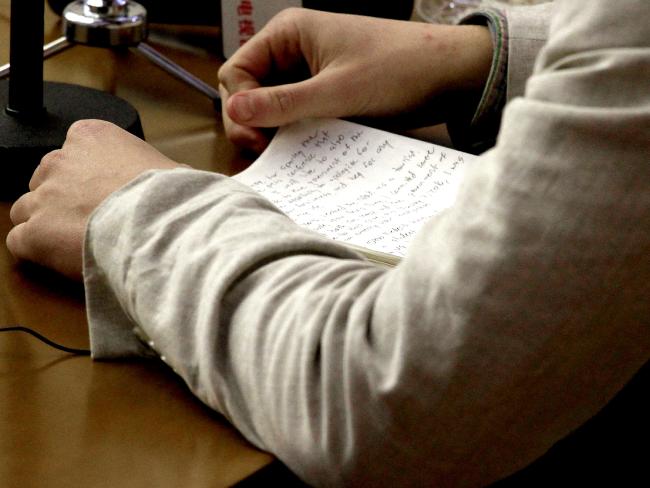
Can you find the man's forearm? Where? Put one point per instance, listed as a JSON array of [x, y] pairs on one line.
[[513, 318]]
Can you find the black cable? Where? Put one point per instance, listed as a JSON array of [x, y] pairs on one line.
[[71, 350]]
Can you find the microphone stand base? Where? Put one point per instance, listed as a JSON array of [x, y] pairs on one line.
[[24, 141]]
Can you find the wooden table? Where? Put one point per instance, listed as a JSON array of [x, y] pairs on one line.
[[66, 421]]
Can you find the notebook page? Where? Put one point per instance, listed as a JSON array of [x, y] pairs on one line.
[[356, 184]]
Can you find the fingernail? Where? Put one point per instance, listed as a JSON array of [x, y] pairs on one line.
[[243, 106]]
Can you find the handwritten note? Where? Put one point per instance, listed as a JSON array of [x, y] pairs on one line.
[[356, 184]]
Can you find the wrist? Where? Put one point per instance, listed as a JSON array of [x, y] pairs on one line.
[[470, 67]]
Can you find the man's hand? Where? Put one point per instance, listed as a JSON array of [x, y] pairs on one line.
[[50, 221], [346, 65]]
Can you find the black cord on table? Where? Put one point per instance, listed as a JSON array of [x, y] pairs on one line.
[[71, 350]]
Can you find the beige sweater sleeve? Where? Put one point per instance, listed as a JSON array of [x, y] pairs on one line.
[[512, 319], [527, 34]]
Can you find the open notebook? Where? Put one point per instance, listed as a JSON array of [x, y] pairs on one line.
[[368, 188]]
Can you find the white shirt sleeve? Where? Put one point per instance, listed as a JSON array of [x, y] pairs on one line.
[[514, 317]]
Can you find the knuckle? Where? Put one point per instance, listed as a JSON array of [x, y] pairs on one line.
[[284, 100], [230, 76], [52, 158], [234, 76], [245, 138], [290, 14], [236, 134], [12, 241], [48, 163], [17, 242], [288, 21], [87, 127], [222, 74], [18, 210]]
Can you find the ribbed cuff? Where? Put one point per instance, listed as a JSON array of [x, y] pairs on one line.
[[479, 133]]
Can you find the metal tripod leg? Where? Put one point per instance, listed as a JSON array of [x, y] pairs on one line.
[[148, 52], [49, 50], [182, 74]]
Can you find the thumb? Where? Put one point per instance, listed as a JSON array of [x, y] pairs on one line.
[[279, 105]]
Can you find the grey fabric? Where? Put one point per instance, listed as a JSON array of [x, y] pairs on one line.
[[514, 317]]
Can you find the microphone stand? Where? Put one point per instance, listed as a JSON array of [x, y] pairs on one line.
[[113, 24], [37, 114]]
